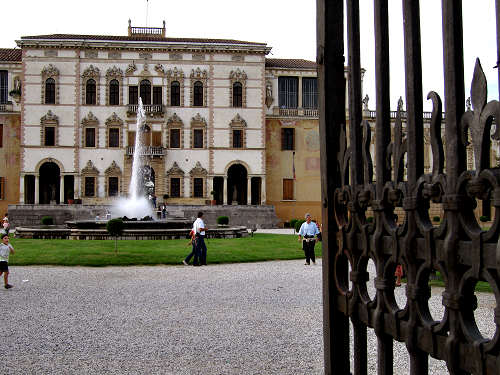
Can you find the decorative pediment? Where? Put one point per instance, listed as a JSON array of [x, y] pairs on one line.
[[198, 120], [175, 170], [238, 75], [114, 72], [113, 170], [49, 117], [198, 170], [238, 122], [198, 74], [175, 74], [50, 71], [90, 169], [174, 119], [114, 120], [131, 68], [159, 69], [90, 119], [91, 72]]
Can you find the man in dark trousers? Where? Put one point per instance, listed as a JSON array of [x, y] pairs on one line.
[[308, 235], [199, 232]]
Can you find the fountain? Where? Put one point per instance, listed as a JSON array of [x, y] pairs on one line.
[[136, 205]]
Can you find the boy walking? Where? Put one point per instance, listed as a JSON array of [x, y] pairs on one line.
[[5, 249]]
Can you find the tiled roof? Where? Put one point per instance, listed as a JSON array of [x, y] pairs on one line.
[[10, 54], [290, 63], [137, 39]]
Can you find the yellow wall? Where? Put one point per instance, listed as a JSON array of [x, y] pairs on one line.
[[279, 165], [9, 159]]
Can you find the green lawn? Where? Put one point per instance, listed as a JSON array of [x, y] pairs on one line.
[[261, 247]]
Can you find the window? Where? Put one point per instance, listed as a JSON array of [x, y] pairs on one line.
[[4, 86], [50, 136], [89, 186], [114, 92], [131, 138], [175, 187], [175, 94], [112, 186], [114, 137], [175, 138], [50, 91], [237, 138], [288, 189], [157, 97], [310, 93], [89, 137], [90, 92], [288, 92], [197, 138], [198, 94], [237, 95], [132, 95], [145, 88], [1, 135], [198, 187], [287, 139], [156, 139]]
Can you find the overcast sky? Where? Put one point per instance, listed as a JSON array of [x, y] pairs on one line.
[[289, 26]]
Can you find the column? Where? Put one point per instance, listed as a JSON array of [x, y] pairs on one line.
[[21, 189], [249, 190], [210, 188], [37, 188], [61, 190], [76, 187], [224, 198], [263, 190]]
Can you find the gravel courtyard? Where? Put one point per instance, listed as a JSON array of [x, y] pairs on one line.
[[254, 318]]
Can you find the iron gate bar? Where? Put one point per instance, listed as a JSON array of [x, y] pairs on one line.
[[458, 248]]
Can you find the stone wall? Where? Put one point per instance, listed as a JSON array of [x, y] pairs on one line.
[[249, 216]]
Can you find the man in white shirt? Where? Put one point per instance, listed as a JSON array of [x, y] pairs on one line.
[[308, 235], [199, 232]]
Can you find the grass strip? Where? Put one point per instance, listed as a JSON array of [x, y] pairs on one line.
[[94, 253]]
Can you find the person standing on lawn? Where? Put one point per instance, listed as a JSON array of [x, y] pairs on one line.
[[5, 249], [199, 233], [308, 235]]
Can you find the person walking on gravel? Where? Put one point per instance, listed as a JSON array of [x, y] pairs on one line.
[[199, 233], [308, 235], [5, 249]]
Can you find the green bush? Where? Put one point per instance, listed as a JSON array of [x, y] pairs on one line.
[[436, 219], [47, 220], [293, 222], [223, 220], [286, 224], [298, 224], [369, 219], [484, 219]]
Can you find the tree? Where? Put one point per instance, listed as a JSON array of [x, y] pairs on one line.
[[115, 228]]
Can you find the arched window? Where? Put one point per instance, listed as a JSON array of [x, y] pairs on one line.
[[237, 95], [114, 92], [50, 91], [198, 94], [175, 94], [90, 92], [145, 91]]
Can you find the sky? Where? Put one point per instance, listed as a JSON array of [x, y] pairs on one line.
[[289, 26]]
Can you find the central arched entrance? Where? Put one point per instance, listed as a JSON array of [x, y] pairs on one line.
[[237, 184], [49, 183]]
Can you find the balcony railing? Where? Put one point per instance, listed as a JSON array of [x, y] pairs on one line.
[[147, 151], [426, 115], [6, 107], [295, 112], [147, 31], [150, 109]]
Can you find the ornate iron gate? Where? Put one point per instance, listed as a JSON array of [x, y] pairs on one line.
[[458, 248]]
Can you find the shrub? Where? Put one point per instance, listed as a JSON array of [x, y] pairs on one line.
[[115, 228], [436, 219], [47, 220], [298, 224], [223, 220], [293, 222], [484, 219], [286, 224], [369, 219]]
